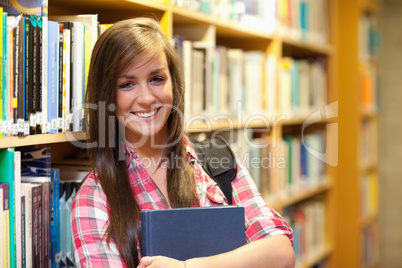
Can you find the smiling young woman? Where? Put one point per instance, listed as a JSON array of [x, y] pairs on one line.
[[149, 163]]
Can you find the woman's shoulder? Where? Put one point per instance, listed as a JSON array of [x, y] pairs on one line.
[[91, 188]]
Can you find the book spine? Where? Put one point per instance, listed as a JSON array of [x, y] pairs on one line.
[[2, 69], [44, 75], [6, 226], [69, 200], [28, 223], [30, 71], [19, 76], [52, 83], [38, 76], [40, 226], [17, 207], [23, 231], [62, 203], [35, 243], [60, 78], [55, 219], [45, 224]]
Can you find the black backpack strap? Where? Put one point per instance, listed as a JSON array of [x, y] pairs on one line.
[[219, 162]]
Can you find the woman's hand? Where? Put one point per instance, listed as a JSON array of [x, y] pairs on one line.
[[160, 262]]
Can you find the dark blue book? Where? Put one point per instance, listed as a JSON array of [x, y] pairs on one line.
[[185, 233]]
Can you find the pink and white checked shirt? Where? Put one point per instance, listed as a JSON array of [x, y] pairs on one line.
[[89, 212]]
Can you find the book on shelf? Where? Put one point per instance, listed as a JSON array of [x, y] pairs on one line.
[[303, 86], [53, 76], [304, 20], [172, 232], [55, 251], [308, 224], [1, 224], [236, 80], [18, 214], [26, 188], [5, 215], [7, 176], [253, 81], [303, 169]]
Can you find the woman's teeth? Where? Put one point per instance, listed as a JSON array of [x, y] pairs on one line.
[[145, 115]]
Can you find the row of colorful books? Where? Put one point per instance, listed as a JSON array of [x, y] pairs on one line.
[[35, 209], [303, 85], [304, 20], [308, 223], [232, 81], [284, 168], [44, 66]]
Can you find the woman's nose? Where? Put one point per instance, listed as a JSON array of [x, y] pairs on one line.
[[146, 95]]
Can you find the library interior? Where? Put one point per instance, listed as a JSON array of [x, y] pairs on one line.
[[305, 92]]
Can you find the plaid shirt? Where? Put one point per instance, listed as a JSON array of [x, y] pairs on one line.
[[89, 212]]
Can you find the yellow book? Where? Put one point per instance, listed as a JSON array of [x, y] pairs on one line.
[[5, 215]]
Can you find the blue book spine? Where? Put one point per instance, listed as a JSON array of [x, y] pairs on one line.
[[53, 75], [303, 18], [295, 95], [55, 219]]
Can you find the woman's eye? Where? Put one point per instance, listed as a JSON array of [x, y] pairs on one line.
[[157, 79], [126, 85]]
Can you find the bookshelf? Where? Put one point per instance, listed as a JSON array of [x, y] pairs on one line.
[[357, 184], [274, 124]]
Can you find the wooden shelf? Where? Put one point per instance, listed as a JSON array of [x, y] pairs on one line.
[[300, 48], [40, 139], [302, 195], [318, 256], [111, 5], [227, 28]]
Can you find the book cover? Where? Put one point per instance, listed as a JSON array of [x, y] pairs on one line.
[[5, 215], [7, 176], [186, 233], [35, 161]]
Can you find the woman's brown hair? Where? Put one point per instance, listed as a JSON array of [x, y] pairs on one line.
[[113, 52]]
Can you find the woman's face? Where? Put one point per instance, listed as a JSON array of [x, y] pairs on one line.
[[144, 98]]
